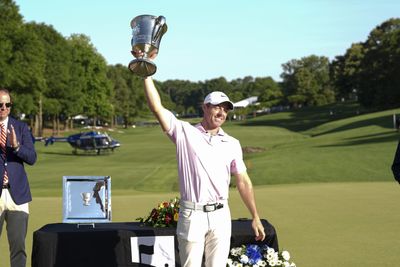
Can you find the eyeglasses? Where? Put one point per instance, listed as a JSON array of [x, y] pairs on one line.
[[8, 105]]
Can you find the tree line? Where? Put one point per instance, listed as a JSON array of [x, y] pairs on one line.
[[53, 78]]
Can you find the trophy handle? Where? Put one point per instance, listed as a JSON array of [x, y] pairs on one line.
[[159, 29]]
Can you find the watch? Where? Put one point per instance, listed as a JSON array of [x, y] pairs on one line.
[[16, 148]]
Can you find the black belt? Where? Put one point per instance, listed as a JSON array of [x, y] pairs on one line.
[[206, 208], [212, 207], [6, 186]]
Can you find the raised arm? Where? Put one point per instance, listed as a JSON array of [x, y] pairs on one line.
[[155, 105]]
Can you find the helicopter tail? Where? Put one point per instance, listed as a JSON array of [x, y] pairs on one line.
[[50, 140]]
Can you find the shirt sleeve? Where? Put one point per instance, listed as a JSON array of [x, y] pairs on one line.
[[174, 126], [237, 164]]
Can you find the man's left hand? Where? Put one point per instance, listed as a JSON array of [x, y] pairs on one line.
[[258, 229]]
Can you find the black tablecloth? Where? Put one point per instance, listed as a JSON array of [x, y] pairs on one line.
[[108, 244]]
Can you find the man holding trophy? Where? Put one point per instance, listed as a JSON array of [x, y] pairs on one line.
[[207, 157]]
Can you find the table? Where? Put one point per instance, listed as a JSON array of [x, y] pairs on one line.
[[109, 244]]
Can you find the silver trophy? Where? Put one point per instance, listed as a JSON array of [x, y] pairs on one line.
[[147, 31], [86, 198]]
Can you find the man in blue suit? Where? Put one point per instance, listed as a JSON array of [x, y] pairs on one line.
[[16, 149]]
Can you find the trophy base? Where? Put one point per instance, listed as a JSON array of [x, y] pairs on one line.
[[142, 67]]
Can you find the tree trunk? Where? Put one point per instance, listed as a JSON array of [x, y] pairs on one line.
[[36, 125], [40, 117], [126, 122], [54, 125], [111, 121], [58, 124], [32, 124]]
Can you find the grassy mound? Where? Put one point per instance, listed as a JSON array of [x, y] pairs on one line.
[[303, 146]]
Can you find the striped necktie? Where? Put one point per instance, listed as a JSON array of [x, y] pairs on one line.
[[3, 140]]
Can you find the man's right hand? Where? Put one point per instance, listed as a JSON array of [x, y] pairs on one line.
[[140, 54]]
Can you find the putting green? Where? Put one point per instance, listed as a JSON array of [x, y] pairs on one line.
[[329, 224]]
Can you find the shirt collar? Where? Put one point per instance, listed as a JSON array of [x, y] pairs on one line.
[[201, 129], [5, 122]]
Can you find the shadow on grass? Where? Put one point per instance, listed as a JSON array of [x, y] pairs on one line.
[[311, 117], [299, 120], [367, 139], [384, 121], [91, 154], [294, 123]]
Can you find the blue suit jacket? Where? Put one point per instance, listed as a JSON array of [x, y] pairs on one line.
[[14, 163]]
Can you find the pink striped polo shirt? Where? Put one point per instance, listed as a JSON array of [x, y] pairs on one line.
[[205, 162]]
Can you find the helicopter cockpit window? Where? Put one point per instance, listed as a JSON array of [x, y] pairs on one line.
[[101, 141], [88, 143]]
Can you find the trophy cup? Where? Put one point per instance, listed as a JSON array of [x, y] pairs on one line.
[[86, 198], [147, 31]]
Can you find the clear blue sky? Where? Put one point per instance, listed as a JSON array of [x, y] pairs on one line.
[[208, 39]]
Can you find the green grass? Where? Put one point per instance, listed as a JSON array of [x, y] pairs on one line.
[[358, 148], [331, 224], [323, 180]]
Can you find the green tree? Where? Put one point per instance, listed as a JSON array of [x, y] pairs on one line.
[[52, 108], [379, 76], [218, 84], [11, 22], [24, 106], [268, 91], [345, 71], [239, 90], [128, 100], [182, 97], [306, 81], [121, 101], [57, 74], [22, 60], [89, 74]]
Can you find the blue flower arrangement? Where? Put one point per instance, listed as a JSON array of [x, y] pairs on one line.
[[258, 256]]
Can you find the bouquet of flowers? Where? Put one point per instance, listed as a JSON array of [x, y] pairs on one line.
[[256, 256], [164, 215]]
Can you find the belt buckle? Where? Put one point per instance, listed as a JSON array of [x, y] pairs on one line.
[[209, 207], [212, 207]]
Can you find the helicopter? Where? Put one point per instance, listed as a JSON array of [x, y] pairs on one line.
[[87, 141]]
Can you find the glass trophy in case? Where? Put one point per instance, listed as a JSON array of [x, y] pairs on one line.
[[86, 199]]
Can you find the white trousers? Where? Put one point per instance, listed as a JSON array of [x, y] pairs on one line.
[[16, 217], [7, 203], [204, 233]]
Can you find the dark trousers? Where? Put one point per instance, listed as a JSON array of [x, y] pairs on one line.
[[16, 226]]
